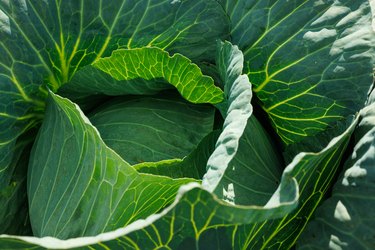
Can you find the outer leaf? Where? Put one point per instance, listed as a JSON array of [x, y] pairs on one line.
[[151, 63], [182, 225], [64, 36], [245, 168], [46, 42], [151, 129], [80, 186], [11, 127], [14, 217], [346, 220], [20, 106], [303, 57]]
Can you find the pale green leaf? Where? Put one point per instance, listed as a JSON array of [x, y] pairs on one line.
[[154, 63], [79, 186]]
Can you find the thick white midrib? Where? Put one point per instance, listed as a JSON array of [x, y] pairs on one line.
[[372, 5]]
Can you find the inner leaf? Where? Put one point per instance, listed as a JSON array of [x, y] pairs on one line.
[[150, 129]]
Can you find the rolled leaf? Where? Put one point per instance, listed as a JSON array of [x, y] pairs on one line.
[[245, 167]]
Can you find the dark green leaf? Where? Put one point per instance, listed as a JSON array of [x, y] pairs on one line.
[[151, 129], [14, 218], [314, 173], [346, 220], [311, 62]]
